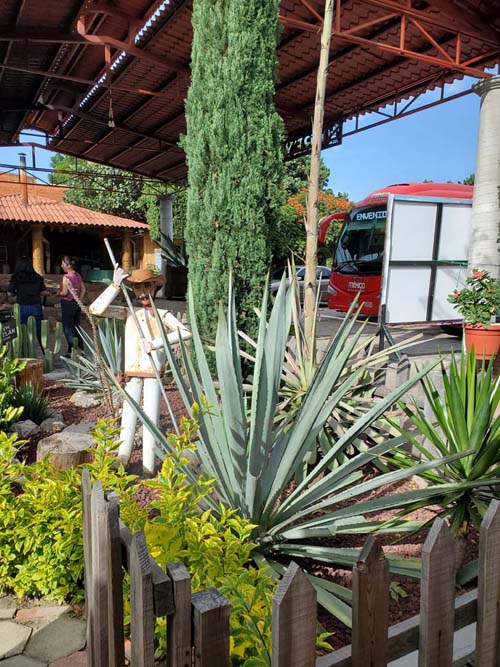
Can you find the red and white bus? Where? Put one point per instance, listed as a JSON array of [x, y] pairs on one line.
[[358, 255]]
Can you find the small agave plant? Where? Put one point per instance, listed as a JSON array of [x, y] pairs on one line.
[[255, 458]]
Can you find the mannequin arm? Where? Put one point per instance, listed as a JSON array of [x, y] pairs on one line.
[[177, 328]]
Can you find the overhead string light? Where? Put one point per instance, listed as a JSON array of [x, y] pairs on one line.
[[107, 58]]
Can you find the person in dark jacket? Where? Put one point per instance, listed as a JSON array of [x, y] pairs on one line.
[[28, 287]]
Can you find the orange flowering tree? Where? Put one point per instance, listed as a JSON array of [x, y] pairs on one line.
[[290, 233]]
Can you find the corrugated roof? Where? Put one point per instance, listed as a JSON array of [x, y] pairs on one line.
[[48, 211], [55, 79]]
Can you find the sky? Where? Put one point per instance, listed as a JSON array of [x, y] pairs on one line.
[[437, 144]]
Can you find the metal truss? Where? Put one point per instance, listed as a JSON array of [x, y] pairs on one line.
[[403, 17]]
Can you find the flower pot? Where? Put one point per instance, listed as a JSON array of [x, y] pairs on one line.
[[484, 340]]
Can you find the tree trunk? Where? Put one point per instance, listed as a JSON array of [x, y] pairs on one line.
[[313, 191], [32, 373]]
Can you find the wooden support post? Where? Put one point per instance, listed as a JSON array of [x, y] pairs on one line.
[[437, 598], [179, 624], [294, 621], [99, 574], [488, 603], [37, 253], [370, 606], [210, 629], [142, 624], [126, 252]]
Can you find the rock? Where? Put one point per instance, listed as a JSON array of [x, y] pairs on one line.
[[63, 637], [56, 415], [22, 661], [74, 660], [56, 376], [82, 427], [85, 399], [52, 425], [9, 602], [25, 428], [6, 613], [13, 638], [66, 450], [41, 613]]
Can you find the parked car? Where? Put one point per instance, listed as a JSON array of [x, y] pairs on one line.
[[322, 276]]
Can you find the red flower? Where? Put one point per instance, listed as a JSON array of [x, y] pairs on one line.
[[478, 275]]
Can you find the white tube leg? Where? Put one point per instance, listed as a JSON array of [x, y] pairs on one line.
[[129, 419], [152, 409]]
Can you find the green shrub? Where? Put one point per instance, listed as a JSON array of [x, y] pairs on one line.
[[8, 369], [35, 404], [41, 518], [216, 550]]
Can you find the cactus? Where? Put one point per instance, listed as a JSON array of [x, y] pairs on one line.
[[31, 337], [48, 362], [25, 343]]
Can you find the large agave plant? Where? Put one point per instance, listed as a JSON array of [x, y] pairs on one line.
[[255, 459]]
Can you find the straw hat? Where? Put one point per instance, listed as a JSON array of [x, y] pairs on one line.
[[139, 276]]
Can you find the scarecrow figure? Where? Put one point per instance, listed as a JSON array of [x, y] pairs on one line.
[[138, 352]]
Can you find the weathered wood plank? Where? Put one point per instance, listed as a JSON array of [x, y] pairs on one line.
[[179, 624], [115, 584], [141, 604], [99, 570], [163, 594], [370, 608], [488, 612], [404, 636], [437, 598], [294, 621], [210, 629], [87, 552]]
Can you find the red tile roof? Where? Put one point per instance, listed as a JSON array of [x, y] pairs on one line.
[[48, 211]]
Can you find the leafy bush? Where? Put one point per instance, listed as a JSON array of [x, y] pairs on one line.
[[41, 518], [35, 404], [8, 368], [216, 550]]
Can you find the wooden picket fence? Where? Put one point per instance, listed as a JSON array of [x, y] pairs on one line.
[[198, 624]]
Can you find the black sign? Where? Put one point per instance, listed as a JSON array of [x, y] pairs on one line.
[[8, 331]]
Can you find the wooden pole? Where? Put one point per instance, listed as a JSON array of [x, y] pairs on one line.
[[37, 249], [126, 252], [313, 190]]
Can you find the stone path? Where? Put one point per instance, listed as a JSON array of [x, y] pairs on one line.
[[40, 635]]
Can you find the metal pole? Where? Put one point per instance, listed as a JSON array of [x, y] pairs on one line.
[[143, 338]]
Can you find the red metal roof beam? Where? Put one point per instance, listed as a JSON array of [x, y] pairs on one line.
[[129, 46]]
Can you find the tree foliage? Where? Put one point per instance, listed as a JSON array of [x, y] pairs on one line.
[[110, 190], [234, 154], [290, 235]]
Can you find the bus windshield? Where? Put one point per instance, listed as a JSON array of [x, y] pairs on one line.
[[360, 246]]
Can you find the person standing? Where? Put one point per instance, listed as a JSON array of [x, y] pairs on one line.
[[28, 287], [71, 286]]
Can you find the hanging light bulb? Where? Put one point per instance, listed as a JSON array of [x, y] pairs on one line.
[[111, 120]]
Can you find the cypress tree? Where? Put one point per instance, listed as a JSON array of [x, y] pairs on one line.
[[234, 154]]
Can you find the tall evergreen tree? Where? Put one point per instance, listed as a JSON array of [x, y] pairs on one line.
[[234, 154]]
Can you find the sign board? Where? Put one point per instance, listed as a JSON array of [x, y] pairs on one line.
[[8, 331], [425, 258]]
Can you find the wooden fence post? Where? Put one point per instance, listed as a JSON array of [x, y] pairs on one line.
[[179, 624], [115, 584], [142, 626], [437, 608], [370, 606], [488, 602], [87, 554], [210, 629], [99, 575], [294, 621]]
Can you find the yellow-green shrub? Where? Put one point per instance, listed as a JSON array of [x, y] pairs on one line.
[[41, 542], [216, 551], [8, 369]]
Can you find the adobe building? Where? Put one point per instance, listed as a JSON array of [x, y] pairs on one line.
[[35, 222]]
